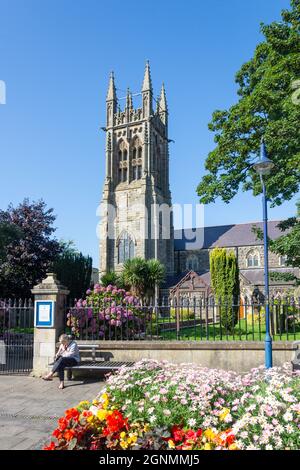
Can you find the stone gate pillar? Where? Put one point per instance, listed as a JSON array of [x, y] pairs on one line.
[[46, 337]]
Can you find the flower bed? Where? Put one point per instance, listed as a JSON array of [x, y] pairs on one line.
[[159, 405]]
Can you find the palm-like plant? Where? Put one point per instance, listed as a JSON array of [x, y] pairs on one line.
[[135, 274], [143, 275], [155, 275]]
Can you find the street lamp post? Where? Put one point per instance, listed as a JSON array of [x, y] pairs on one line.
[[263, 167]]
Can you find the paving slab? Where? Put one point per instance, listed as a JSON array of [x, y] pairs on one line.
[[29, 408]]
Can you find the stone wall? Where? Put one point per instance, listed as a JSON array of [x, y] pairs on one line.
[[239, 356]]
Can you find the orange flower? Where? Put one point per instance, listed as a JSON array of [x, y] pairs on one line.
[[69, 434]]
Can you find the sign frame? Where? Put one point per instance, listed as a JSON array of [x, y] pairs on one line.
[[39, 322]]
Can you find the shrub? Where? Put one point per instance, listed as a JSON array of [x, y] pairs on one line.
[[107, 313]]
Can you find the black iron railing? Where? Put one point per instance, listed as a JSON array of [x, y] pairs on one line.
[[16, 336], [184, 319]]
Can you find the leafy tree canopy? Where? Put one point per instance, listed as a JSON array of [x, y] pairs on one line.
[[73, 269], [269, 106], [28, 248]]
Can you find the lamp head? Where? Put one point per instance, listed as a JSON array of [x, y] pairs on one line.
[[264, 165]]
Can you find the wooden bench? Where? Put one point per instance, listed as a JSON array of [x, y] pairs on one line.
[[96, 363]]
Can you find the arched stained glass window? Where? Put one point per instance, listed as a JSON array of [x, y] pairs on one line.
[[125, 248]]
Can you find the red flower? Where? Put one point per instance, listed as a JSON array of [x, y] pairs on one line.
[[57, 433], [177, 433], [51, 446], [191, 435], [115, 422], [69, 434], [72, 413], [62, 423], [230, 439]]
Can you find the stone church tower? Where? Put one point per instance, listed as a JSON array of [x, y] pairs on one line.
[[136, 218]]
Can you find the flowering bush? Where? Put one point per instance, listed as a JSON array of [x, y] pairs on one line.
[[159, 405], [107, 313]]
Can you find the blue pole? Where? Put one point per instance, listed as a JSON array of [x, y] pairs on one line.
[[268, 339]]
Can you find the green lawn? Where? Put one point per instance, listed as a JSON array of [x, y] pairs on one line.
[[242, 331]]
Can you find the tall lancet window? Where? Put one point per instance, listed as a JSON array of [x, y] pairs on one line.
[[122, 162], [136, 160], [125, 248]]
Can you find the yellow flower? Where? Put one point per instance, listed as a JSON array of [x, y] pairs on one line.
[[95, 402], [207, 446], [171, 444], [224, 413], [146, 428], [133, 438], [233, 447], [84, 403], [123, 444], [209, 434], [90, 419], [101, 414], [122, 435]]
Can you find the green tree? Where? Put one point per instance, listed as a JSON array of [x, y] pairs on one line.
[[73, 269], [225, 284], [287, 245], [28, 247], [268, 107], [9, 233]]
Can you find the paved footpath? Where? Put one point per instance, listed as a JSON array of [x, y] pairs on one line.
[[30, 407]]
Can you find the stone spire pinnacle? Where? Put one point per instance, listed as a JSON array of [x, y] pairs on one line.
[[163, 107], [147, 84], [129, 102], [111, 93]]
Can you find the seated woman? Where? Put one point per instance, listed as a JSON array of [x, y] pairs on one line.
[[67, 356]]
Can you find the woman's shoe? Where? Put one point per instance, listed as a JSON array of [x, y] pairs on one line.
[[47, 378]]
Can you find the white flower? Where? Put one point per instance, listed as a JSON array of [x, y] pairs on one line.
[[152, 419], [288, 416], [289, 429], [192, 422], [150, 411], [269, 447]]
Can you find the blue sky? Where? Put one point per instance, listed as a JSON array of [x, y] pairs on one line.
[[55, 58]]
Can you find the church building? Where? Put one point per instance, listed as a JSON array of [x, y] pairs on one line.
[[136, 208]]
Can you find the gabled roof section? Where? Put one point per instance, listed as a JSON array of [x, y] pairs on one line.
[[223, 236]]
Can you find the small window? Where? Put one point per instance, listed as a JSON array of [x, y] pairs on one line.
[[253, 260], [125, 155]]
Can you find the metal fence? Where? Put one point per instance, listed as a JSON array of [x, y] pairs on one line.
[[184, 319], [16, 336]]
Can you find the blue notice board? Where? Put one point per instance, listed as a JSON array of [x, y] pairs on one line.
[[44, 313]]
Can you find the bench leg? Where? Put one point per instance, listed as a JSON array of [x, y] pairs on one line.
[[69, 374]]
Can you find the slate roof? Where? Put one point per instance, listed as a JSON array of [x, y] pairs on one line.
[[222, 236], [255, 276]]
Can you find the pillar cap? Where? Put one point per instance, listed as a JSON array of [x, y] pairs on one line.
[[50, 285]]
